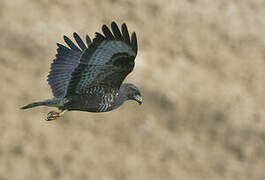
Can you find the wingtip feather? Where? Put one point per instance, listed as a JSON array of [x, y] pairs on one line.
[[134, 42], [106, 31], [79, 41], [88, 40], [70, 43], [116, 31], [125, 34]]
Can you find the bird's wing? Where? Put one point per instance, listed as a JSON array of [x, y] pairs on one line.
[[67, 59], [106, 62]]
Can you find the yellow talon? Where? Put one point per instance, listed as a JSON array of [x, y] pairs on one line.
[[53, 115]]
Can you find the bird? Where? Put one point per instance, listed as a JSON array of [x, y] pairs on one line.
[[89, 77]]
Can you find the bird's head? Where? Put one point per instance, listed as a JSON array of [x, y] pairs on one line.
[[132, 92]]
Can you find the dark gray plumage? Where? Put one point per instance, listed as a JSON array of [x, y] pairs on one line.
[[88, 77]]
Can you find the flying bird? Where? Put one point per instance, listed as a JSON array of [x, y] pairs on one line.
[[89, 77]]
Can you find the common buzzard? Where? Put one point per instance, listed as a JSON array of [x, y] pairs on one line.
[[88, 77]]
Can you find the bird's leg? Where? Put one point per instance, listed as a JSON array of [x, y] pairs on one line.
[[53, 115]]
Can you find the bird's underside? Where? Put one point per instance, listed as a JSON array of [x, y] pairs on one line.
[[100, 101], [89, 77]]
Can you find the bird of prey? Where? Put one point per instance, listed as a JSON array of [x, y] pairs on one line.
[[89, 77]]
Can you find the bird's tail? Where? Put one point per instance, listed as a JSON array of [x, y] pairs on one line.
[[34, 104], [49, 102]]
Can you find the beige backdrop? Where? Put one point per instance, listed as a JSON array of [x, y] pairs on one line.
[[201, 69]]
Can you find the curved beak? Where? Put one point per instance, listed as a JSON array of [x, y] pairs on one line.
[[139, 99]]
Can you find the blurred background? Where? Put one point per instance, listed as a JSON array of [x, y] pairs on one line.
[[200, 68]]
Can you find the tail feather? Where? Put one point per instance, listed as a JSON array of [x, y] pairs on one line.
[[54, 102], [34, 104]]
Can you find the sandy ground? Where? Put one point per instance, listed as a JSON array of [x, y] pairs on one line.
[[200, 68]]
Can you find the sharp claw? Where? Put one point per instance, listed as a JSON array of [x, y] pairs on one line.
[[52, 115], [50, 119]]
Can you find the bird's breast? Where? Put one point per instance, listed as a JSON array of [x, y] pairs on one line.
[[96, 99], [109, 101]]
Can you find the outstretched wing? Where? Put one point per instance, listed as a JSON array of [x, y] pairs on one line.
[[67, 59], [106, 62]]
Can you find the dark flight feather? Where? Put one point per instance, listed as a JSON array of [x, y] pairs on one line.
[[116, 31], [65, 62], [70, 44], [107, 32], [134, 42], [79, 41], [88, 40], [125, 33], [107, 61]]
